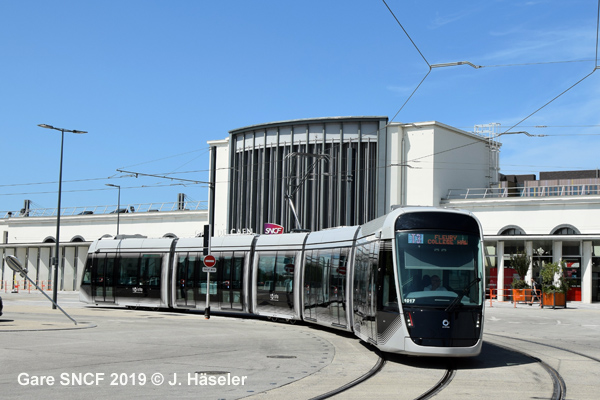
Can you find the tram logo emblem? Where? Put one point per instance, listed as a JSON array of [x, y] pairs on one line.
[[445, 324], [273, 229]]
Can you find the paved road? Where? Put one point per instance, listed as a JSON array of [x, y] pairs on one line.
[[134, 353]]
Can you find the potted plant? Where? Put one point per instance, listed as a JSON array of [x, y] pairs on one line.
[[554, 285], [521, 290]]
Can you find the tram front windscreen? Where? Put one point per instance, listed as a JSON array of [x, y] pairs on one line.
[[436, 267]]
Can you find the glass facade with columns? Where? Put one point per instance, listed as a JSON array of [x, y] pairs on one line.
[[580, 254], [329, 171]]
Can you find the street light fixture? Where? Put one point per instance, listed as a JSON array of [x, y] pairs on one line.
[[118, 204], [55, 260]]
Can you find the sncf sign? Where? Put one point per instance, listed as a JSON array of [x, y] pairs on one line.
[[273, 229]]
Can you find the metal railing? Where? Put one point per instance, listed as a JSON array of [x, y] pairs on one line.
[[108, 209], [531, 191]]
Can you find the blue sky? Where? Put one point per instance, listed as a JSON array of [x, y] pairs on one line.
[[153, 81]]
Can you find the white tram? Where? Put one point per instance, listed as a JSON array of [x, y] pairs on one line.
[[408, 282]]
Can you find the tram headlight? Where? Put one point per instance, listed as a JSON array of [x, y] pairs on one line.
[[409, 319]]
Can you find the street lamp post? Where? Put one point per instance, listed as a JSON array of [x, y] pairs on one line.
[[118, 204], [56, 257]]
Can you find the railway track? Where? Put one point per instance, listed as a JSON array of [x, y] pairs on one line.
[[379, 379], [372, 372], [559, 388], [558, 381], [388, 365]]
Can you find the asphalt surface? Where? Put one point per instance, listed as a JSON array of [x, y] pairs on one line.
[[162, 354]]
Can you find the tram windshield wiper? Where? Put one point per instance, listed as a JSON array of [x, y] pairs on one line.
[[458, 299]]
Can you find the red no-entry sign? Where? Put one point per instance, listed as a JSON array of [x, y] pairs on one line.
[[210, 260]]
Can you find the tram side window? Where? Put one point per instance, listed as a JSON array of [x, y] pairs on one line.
[[266, 276], [150, 269], [128, 273], [284, 270], [363, 279], [387, 297], [312, 283], [87, 273], [275, 271], [181, 268]]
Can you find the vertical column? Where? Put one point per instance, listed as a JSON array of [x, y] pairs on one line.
[[557, 254], [500, 278], [2, 263], [233, 167], [69, 268], [32, 263], [21, 254], [381, 171], [338, 211], [252, 192], [586, 273], [529, 253], [212, 189], [348, 220], [44, 273], [9, 275], [360, 215], [322, 171], [61, 269], [557, 251], [261, 187]]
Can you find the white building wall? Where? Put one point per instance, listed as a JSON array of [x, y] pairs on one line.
[[396, 156], [419, 172], [440, 158], [221, 186], [26, 237], [92, 227], [535, 216], [461, 161]]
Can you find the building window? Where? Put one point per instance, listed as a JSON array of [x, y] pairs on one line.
[[491, 265], [571, 255], [566, 230], [596, 271]]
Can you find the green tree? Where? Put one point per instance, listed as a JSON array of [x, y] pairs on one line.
[[520, 262]]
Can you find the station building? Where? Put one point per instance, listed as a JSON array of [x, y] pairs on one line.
[[313, 174]]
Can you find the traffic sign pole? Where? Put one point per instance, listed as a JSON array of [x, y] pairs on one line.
[[207, 308], [209, 266]]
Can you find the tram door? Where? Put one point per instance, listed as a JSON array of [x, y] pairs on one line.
[[275, 283], [103, 268], [365, 280], [229, 279], [186, 280]]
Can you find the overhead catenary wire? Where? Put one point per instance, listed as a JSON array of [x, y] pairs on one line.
[[476, 66], [105, 189], [96, 179], [205, 149]]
